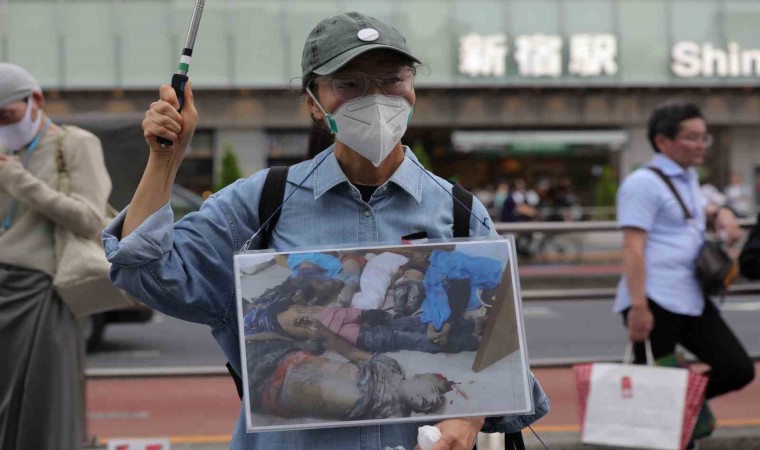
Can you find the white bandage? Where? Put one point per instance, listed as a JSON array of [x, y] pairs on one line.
[[427, 436]]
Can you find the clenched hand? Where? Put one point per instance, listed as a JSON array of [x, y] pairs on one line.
[[163, 120], [458, 434]]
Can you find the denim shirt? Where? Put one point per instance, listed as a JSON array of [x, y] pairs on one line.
[[673, 243], [185, 269]]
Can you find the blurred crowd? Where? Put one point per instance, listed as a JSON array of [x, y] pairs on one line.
[[737, 195], [547, 200]]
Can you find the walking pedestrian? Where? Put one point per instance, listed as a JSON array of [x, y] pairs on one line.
[[738, 196], [659, 295], [749, 259], [500, 195]]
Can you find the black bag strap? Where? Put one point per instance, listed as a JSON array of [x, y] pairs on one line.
[[672, 188], [514, 441], [274, 192], [272, 196], [236, 379], [461, 214]]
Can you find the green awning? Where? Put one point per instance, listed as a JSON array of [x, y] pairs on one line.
[[536, 142]]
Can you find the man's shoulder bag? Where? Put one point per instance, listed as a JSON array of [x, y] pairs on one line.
[[715, 268]]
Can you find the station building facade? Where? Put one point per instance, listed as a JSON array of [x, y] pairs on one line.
[[510, 88]]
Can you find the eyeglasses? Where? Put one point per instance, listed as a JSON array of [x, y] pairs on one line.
[[353, 85], [705, 139]]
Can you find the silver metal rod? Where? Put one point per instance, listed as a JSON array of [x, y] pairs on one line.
[[576, 227], [608, 293], [194, 22]]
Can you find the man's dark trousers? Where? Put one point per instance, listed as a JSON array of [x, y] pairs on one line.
[[709, 338]]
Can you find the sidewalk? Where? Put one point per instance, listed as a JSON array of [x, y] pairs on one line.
[[198, 413], [747, 438], [739, 438]]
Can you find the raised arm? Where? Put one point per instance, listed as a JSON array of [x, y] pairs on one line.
[[183, 269], [162, 119]]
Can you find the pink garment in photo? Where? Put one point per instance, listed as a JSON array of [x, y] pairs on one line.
[[342, 321]]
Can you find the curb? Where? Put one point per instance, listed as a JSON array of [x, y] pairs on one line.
[[727, 438], [745, 438]]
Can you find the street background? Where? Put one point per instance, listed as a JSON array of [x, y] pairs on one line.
[[546, 99], [130, 394]]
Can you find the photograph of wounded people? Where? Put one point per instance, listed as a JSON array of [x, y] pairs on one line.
[[418, 332]]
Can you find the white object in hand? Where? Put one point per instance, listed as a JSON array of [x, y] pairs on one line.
[[427, 436]]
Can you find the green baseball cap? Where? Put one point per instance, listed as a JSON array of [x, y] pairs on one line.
[[337, 40]]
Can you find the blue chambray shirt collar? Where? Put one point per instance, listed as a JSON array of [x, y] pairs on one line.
[[672, 168], [409, 176], [328, 174]]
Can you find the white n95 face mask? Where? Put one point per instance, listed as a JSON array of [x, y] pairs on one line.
[[371, 125], [15, 136]]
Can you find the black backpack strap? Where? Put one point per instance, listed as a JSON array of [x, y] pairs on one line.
[[236, 378], [271, 198], [514, 441], [461, 214], [672, 188]]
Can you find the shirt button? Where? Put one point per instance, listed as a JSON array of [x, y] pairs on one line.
[[367, 213]]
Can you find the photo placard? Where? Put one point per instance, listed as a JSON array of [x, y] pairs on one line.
[[381, 334]]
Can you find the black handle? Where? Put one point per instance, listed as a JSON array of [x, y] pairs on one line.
[[178, 84]]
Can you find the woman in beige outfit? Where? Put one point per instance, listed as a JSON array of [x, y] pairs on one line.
[[39, 401]]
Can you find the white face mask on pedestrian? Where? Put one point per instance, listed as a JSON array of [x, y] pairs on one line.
[[371, 125], [17, 135]]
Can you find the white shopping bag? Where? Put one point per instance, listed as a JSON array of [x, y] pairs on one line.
[[635, 406], [626, 405]]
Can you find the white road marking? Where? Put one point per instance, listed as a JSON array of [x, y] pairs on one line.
[[118, 415], [740, 307], [134, 354], [539, 311], [124, 372]]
